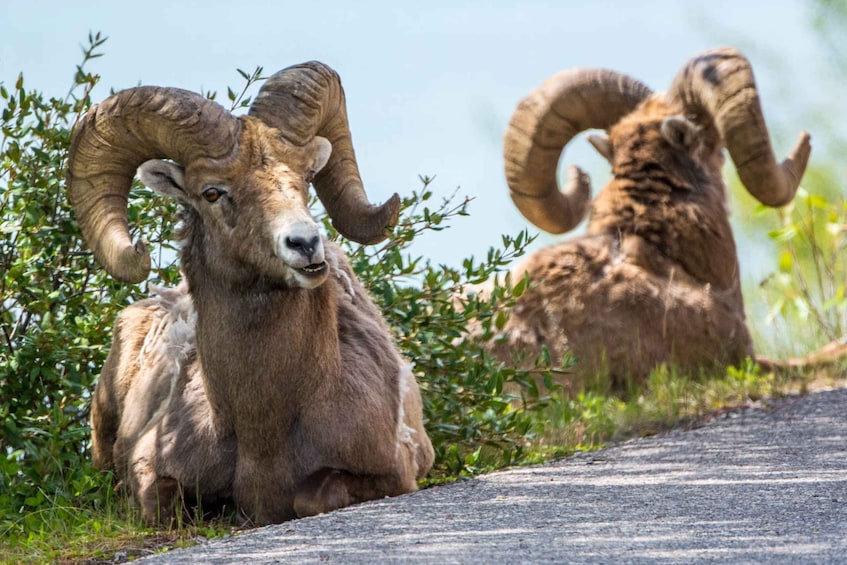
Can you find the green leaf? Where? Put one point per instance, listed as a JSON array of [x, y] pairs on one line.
[[784, 234], [786, 262]]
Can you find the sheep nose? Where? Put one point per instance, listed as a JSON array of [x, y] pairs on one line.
[[305, 246]]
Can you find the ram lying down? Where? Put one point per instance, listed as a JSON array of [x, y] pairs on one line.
[[268, 378], [655, 278]]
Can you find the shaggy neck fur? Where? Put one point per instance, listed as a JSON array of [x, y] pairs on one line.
[[285, 334], [671, 201]]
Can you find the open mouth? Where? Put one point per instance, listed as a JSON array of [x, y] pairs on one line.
[[313, 269]]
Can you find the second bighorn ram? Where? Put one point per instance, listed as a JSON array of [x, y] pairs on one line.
[[656, 277], [268, 377]]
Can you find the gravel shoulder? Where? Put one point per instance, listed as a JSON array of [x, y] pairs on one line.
[[753, 486]]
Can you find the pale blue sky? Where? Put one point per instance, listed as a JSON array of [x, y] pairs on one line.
[[430, 85]]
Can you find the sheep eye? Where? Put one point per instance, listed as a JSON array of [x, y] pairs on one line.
[[212, 194], [310, 176]]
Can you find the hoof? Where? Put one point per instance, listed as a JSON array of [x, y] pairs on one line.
[[157, 501], [323, 491]]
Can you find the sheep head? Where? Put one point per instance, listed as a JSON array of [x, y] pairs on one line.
[[264, 159], [253, 207], [712, 102]]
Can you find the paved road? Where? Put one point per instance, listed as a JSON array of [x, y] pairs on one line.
[[755, 486]]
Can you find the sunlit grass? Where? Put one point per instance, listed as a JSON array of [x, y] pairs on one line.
[[668, 399], [109, 531]]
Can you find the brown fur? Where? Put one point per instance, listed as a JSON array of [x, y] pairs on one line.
[[292, 398], [655, 279]]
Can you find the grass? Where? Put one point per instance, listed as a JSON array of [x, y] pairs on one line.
[[668, 399], [111, 533], [589, 420]]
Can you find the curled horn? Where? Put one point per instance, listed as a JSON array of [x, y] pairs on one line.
[[542, 125], [117, 136], [720, 83], [306, 100]]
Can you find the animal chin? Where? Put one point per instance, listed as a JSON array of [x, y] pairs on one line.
[[307, 277], [314, 269]]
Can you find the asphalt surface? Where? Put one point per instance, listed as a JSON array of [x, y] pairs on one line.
[[765, 485]]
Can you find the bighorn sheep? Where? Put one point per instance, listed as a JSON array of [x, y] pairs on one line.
[[655, 278], [267, 377]]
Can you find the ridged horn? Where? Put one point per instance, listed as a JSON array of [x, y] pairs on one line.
[[542, 125], [306, 100], [720, 83], [117, 136]]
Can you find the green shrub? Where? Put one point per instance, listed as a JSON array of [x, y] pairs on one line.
[[57, 306], [807, 289], [55, 310]]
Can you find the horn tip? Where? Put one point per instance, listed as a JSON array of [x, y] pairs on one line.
[[391, 216], [392, 206], [802, 148], [133, 263], [381, 221]]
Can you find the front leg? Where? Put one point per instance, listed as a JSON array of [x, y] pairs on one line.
[[322, 491], [179, 456], [156, 494]]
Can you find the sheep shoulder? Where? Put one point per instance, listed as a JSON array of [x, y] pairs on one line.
[[376, 378]]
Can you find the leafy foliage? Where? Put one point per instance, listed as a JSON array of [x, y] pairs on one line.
[[809, 283], [53, 309], [57, 305], [805, 293]]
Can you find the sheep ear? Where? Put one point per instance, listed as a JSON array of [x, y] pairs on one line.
[[324, 148], [680, 132], [603, 145], [164, 177]]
